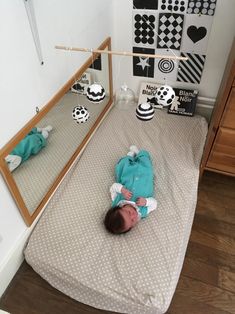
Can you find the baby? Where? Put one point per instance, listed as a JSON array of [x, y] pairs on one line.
[[132, 193], [30, 145]]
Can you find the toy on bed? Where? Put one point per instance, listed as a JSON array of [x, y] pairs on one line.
[[33, 142]]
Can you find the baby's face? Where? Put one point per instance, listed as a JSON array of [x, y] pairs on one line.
[[129, 215]]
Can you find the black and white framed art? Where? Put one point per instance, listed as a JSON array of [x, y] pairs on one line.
[[172, 27]]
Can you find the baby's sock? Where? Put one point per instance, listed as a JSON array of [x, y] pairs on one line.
[[45, 131], [132, 154], [134, 149]]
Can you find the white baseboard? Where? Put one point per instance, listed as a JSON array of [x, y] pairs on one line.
[[13, 261]]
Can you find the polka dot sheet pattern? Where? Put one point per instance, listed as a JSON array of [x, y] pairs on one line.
[[136, 272], [205, 7]]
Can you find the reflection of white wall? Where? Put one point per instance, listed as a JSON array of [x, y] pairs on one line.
[[221, 37], [26, 84], [101, 77]]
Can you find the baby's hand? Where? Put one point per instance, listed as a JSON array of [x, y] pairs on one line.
[[126, 193], [141, 201]]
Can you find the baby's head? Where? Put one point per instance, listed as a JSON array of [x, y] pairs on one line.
[[121, 219]]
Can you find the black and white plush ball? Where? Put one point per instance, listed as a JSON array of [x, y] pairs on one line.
[[80, 114], [165, 95], [145, 111], [95, 93]]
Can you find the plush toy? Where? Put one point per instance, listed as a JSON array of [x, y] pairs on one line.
[[80, 114], [165, 95], [28, 146], [145, 111], [95, 93]]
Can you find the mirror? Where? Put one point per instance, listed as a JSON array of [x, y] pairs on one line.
[[35, 161]]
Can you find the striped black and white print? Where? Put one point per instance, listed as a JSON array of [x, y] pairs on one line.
[[190, 71]]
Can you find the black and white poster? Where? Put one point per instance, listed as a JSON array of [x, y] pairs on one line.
[[173, 6], [145, 4], [166, 69], [184, 102], [205, 7], [97, 65], [144, 29], [190, 71], [176, 28], [170, 30], [143, 66], [196, 33]]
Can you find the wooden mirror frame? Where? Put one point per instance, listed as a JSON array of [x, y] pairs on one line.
[[7, 175]]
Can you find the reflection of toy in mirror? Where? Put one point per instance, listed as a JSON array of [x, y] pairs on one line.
[[165, 95], [80, 114], [95, 93], [145, 111], [28, 146]]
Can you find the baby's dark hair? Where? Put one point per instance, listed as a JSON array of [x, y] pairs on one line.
[[114, 221]]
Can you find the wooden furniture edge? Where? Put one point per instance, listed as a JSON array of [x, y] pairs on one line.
[[221, 99]]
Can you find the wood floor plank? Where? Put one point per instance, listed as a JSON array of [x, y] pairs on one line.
[[226, 280], [214, 177], [207, 294], [211, 256], [216, 211], [186, 305], [200, 271], [208, 274], [209, 224], [215, 241], [30, 294]]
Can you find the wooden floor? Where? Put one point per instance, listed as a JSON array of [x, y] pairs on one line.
[[207, 281]]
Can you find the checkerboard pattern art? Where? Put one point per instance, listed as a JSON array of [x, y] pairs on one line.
[[170, 30]]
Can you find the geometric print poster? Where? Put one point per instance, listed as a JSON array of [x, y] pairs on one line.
[[170, 30], [175, 28], [143, 66], [190, 71], [144, 26], [165, 67]]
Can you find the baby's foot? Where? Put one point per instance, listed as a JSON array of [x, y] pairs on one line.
[[45, 131], [134, 149], [45, 134], [48, 128]]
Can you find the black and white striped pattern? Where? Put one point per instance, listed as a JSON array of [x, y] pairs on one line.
[[145, 111], [190, 71]]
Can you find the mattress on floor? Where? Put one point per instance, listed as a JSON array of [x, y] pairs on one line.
[[136, 272]]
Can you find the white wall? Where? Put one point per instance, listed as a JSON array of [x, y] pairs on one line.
[[26, 84], [221, 37]]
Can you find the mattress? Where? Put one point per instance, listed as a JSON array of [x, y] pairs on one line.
[[136, 272]]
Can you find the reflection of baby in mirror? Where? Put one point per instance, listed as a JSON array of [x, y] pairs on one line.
[[28, 146], [132, 193]]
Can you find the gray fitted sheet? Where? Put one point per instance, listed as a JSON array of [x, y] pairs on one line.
[[136, 272]]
